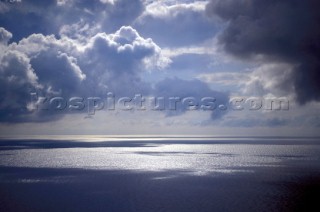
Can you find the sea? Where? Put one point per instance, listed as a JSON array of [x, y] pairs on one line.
[[131, 173]]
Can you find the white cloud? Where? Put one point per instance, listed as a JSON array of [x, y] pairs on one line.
[[73, 66], [168, 9], [5, 36], [108, 1], [127, 50], [174, 52]]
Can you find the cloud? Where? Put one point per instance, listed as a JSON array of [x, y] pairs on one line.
[[276, 31], [17, 78], [50, 66], [196, 50], [5, 36], [103, 15], [119, 59], [49, 17], [176, 23], [58, 71], [270, 78], [168, 9]]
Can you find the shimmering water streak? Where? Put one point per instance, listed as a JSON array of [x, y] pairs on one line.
[[199, 156]]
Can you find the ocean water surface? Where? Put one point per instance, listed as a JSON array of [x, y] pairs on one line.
[[159, 174]]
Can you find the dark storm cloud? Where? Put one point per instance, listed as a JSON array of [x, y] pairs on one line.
[[286, 31]]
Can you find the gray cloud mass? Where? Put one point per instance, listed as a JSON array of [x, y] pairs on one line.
[[285, 31]]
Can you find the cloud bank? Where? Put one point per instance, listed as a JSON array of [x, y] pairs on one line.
[[115, 62]]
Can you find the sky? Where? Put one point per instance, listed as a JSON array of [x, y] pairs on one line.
[[169, 67]]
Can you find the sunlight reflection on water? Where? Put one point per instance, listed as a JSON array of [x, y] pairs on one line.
[[197, 159]]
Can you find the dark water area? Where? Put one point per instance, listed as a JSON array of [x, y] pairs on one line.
[[167, 175]]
